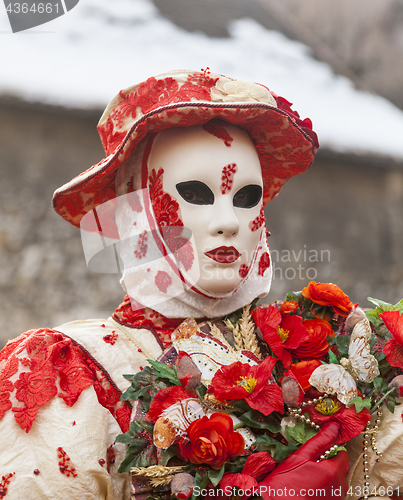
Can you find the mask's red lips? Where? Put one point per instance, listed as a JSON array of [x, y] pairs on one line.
[[223, 255]]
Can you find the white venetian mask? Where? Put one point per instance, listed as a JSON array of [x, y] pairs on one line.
[[213, 173]]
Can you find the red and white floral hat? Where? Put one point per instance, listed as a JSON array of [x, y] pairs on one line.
[[286, 145]]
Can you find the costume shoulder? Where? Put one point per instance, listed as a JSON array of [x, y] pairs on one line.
[[44, 364]]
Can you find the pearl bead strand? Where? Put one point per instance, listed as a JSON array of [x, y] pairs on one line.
[[367, 433]]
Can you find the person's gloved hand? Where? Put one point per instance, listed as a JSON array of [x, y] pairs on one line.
[[300, 476]]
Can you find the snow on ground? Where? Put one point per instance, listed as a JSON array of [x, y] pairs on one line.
[[84, 57]]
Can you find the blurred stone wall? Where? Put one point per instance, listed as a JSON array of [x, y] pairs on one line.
[[339, 222]]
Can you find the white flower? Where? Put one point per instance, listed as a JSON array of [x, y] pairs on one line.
[[227, 90]]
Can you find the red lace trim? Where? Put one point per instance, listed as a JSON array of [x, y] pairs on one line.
[[41, 364], [65, 465], [137, 316]]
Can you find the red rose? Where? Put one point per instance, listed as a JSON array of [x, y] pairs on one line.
[[212, 441], [316, 346], [289, 306], [327, 294]]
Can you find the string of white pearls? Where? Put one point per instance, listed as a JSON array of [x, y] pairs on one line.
[[296, 412], [367, 433]]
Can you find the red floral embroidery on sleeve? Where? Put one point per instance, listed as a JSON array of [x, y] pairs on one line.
[[65, 465], [44, 363], [227, 177], [111, 338], [110, 457], [257, 223], [5, 481]]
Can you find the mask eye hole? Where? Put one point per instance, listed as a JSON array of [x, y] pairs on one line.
[[195, 192], [247, 197]]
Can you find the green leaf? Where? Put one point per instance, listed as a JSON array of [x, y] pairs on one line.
[[165, 455], [201, 391], [300, 433], [281, 451], [380, 385], [384, 306], [165, 371], [141, 451], [342, 343], [399, 306], [333, 358], [333, 453], [257, 420], [331, 340], [361, 403], [373, 317], [215, 476], [390, 403], [201, 481]]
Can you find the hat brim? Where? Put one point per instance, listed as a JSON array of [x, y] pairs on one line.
[[284, 149]]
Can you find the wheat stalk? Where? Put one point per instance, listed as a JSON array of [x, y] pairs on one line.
[[216, 333], [236, 333], [155, 471], [247, 330], [161, 481]]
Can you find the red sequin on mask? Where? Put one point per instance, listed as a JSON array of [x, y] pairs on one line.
[[141, 245], [243, 270]]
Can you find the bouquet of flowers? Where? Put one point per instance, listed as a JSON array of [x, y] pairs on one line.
[[233, 398]]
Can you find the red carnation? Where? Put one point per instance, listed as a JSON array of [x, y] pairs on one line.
[[281, 333], [242, 381]]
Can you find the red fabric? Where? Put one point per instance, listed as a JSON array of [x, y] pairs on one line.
[[302, 473], [50, 364], [135, 315]]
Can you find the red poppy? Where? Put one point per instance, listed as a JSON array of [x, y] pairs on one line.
[[394, 347], [242, 381], [303, 371], [316, 346], [289, 306], [327, 294], [281, 333], [329, 409], [164, 399], [212, 441]]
